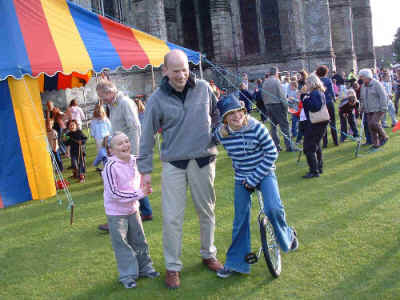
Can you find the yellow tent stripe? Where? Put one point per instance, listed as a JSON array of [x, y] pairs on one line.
[[68, 42], [154, 48], [32, 134]]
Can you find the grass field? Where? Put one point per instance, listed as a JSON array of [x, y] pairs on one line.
[[347, 221]]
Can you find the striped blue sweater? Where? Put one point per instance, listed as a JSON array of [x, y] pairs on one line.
[[252, 151]]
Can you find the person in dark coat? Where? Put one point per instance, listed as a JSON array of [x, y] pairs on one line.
[[246, 97], [322, 72], [313, 132]]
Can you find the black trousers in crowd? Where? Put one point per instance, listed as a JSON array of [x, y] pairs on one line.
[[332, 124], [313, 134], [344, 118]]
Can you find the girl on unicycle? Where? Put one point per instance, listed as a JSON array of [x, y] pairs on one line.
[[253, 155]]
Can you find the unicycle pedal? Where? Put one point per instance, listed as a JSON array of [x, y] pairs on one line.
[[251, 258]]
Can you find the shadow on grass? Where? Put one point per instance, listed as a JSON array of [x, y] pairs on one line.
[[342, 221], [372, 281]]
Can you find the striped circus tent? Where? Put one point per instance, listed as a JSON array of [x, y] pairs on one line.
[[50, 37]]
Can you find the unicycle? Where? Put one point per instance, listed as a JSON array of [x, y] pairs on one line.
[[269, 245]]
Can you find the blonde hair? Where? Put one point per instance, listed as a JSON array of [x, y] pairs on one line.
[[99, 112], [140, 105], [351, 92], [106, 86], [314, 83]]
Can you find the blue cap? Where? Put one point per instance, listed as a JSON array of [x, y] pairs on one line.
[[228, 104]]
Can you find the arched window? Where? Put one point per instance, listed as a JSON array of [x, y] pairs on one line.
[[272, 34], [189, 25], [248, 20], [196, 25]]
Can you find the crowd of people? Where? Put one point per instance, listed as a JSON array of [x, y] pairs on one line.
[[364, 97], [126, 136]]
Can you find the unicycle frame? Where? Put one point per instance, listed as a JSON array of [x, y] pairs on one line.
[[269, 245]]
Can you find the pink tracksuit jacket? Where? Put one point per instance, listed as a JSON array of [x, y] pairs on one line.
[[121, 187]]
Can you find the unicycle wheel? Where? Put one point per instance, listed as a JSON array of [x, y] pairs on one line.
[[270, 247]]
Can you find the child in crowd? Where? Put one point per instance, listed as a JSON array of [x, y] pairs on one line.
[[293, 100], [76, 140], [302, 115], [253, 155], [121, 194], [346, 113], [102, 154], [100, 126], [52, 136]]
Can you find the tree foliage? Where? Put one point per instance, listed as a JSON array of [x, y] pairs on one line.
[[396, 45]]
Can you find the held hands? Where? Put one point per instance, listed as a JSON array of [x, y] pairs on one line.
[[248, 187], [147, 190], [145, 184]]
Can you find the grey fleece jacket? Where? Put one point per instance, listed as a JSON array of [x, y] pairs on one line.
[[373, 97], [186, 125], [124, 117], [272, 92]]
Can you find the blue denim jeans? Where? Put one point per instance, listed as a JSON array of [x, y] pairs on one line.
[[145, 207], [366, 130], [295, 120], [241, 245]]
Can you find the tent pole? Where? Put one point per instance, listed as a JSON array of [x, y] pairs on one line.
[[86, 112], [153, 78], [201, 68]]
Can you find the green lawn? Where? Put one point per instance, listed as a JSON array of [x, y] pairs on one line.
[[347, 221]]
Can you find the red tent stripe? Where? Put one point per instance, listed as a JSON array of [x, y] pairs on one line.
[[125, 43], [1, 203], [38, 40]]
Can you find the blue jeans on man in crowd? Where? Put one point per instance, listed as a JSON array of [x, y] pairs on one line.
[[366, 130], [145, 207], [295, 120], [240, 247]]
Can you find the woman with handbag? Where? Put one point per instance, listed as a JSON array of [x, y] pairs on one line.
[[316, 118]]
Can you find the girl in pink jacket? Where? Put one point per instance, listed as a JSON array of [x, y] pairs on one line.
[[121, 194]]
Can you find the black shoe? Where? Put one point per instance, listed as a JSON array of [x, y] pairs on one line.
[[147, 218], [104, 227], [384, 141], [310, 175], [150, 275], [320, 171], [295, 242], [99, 170], [373, 148]]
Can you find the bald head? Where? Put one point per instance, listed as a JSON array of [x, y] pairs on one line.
[[174, 55], [176, 68]]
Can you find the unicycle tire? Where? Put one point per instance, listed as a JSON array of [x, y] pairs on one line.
[[270, 247]]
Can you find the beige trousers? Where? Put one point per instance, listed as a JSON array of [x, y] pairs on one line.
[[174, 186]]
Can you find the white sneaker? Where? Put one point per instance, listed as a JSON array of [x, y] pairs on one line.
[[224, 273]]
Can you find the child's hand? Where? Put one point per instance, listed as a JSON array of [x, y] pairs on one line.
[[147, 190], [248, 187]]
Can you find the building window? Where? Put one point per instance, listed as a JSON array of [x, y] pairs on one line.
[[196, 25], [272, 34], [248, 20], [189, 26], [109, 9]]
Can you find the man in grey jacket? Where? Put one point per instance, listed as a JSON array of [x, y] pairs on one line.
[[277, 109], [374, 103], [185, 109]]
